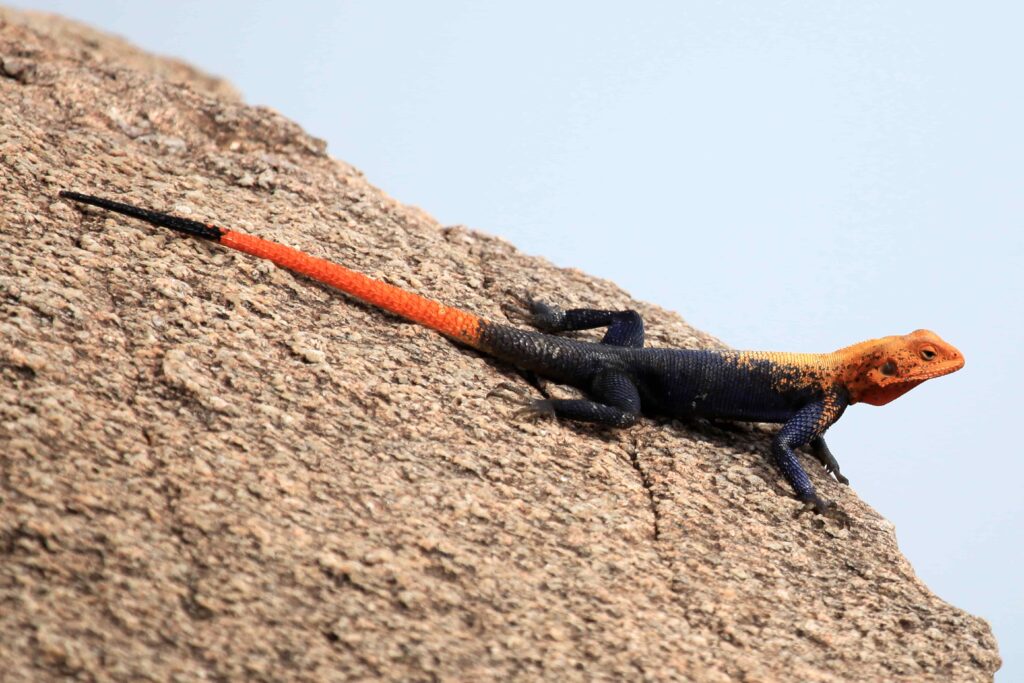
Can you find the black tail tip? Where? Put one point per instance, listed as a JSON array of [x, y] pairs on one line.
[[165, 220], [88, 199]]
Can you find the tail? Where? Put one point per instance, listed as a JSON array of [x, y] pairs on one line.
[[452, 322]]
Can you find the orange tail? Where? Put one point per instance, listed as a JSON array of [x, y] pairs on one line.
[[453, 322]]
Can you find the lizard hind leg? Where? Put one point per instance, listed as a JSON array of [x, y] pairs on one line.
[[625, 328], [613, 400]]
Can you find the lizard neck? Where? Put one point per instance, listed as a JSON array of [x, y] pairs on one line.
[[796, 371]]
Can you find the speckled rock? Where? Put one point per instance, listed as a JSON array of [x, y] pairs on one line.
[[213, 469]]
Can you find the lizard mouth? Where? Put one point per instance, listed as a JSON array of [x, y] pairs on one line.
[[938, 370]]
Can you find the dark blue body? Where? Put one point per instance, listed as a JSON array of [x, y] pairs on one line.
[[676, 383], [622, 380]]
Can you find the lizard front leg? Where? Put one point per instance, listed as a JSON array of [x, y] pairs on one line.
[[808, 424]]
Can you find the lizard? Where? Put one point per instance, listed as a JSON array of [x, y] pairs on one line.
[[621, 378]]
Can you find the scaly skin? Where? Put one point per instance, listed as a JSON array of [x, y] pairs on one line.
[[804, 392]]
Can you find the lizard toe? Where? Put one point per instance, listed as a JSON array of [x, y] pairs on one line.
[[546, 317], [527, 407], [537, 409], [511, 393], [519, 310], [818, 505], [526, 310], [825, 508]]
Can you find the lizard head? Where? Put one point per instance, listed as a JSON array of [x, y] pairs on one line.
[[880, 370]]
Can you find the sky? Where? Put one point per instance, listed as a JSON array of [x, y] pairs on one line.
[[790, 175]]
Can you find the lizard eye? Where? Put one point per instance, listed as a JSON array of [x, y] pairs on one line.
[[928, 354], [889, 369]]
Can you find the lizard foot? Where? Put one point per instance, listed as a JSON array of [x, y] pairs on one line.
[[537, 409], [822, 453], [819, 506], [831, 466], [512, 393], [824, 508], [528, 407], [834, 471], [529, 311], [518, 310]]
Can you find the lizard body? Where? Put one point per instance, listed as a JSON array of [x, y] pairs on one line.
[[622, 379]]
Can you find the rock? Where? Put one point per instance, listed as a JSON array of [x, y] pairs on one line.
[[211, 468]]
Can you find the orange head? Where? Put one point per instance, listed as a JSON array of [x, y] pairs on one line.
[[880, 370]]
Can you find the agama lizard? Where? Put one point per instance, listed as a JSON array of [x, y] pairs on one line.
[[804, 392]]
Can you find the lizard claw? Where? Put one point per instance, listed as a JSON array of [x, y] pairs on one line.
[[818, 506], [527, 406], [828, 461], [521, 308], [545, 317], [839, 477], [533, 312], [824, 508], [537, 409], [509, 392]]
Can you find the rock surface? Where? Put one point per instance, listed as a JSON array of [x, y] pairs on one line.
[[212, 468]]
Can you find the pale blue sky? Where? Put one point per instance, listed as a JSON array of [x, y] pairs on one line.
[[787, 175]]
